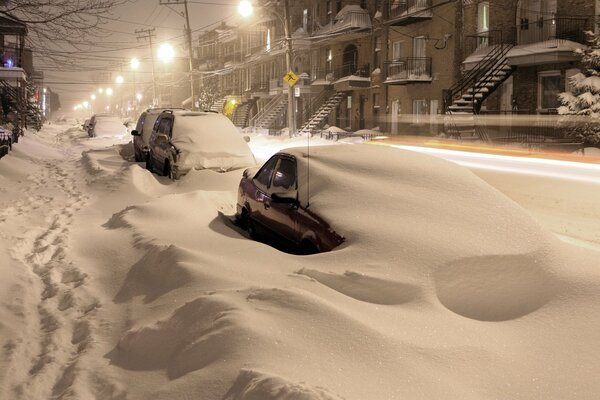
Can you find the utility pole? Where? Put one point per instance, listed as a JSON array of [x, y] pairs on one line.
[[149, 34], [189, 43], [288, 64]]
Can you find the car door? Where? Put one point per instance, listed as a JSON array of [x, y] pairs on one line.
[[281, 202], [163, 150], [259, 200]]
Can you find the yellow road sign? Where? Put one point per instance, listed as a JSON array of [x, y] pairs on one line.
[[291, 78]]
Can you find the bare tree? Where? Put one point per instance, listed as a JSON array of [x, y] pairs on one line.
[[59, 28]]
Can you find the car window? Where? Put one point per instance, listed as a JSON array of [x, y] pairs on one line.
[[165, 126], [140, 124], [264, 175], [285, 175]]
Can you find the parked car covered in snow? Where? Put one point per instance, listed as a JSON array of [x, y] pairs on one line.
[[106, 126], [143, 130], [184, 140], [270, 201]]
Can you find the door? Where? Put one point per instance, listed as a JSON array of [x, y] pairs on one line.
[[350, 60], [419, 54], [280, 216], [259, 202], [161, 151], [483, 24]]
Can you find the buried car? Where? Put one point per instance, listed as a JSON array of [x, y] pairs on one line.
[[184, 140], [270, 201], [106, 126], [143, 130]]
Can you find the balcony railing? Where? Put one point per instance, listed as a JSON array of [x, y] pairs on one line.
[[346, 21], [405, 10], [347, 70], [558, 27], [414, 69]]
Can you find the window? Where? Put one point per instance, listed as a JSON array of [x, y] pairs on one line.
[[549, 88], [376, 100], [377, 57], [285, 175], [483, 23], [263, 176], [419, 47], [268, 39], [397, 50], [305, 20], [165, 126], [419, 107]]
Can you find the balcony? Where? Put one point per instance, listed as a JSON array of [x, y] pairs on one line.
[[409, 70], [351, 22], [549, 40], [404, 12], [557, 28], [276, 86], [343, 78], [259, 89]]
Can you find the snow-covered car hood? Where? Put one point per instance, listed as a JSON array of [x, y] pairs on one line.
[[105, 127], [209, 141]]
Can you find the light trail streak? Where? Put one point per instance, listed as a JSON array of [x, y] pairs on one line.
[[558, 169]]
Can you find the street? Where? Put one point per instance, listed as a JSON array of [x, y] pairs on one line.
[[118, 284]]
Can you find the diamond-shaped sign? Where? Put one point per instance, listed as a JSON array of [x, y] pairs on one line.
[[291, 78]]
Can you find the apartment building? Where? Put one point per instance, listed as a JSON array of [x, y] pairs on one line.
[[421, 61]]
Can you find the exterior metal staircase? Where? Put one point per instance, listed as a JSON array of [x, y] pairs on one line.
[[241, 114], [467, 95], [476, 85], [270, 113], [218, 105], [322, 113]]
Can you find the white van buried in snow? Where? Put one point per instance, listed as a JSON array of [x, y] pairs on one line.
[[184, 140]]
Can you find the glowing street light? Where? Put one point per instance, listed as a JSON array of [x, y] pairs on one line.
[[109, 91], [245, 8], [166, 53], [120, 79], [139, 97], [100, 90], [86, 104], [135, 63], [93, 97]]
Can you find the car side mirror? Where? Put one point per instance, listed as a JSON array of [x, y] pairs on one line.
[[290, 198], [135, 133], [162, 139]]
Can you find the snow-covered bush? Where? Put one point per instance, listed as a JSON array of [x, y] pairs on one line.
[[584, 98]]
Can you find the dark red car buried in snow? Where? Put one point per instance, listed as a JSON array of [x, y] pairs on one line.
[[268, 203]]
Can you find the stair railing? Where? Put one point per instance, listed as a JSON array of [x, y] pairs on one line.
[[259, 115]]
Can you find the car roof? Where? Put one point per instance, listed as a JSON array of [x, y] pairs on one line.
[[159, 110]]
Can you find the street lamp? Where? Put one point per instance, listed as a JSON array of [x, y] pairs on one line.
[[109, 91], [166, 53], [245, 9]]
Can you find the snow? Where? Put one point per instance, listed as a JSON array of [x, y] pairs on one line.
[[107, 127], [119, 284], [209, 141]]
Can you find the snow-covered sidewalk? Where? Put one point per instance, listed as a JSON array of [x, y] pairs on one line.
[[118, 284]]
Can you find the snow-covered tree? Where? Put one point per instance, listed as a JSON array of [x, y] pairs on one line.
[[584, 98]]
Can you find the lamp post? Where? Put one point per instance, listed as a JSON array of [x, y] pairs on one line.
[[245, 9]]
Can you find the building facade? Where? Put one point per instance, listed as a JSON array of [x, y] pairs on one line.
[[395, 65]]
